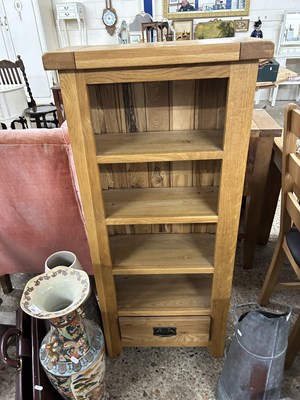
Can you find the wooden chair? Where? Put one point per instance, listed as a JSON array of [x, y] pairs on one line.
[[288, 243], [13, 73], [12, 96]]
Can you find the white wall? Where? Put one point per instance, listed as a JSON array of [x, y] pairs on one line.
[[96, 32], [270, 13]]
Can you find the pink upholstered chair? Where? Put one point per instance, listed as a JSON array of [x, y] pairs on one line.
[[40, 208]]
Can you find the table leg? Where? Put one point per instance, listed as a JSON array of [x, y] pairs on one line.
[[44, 121], [38, 122], [274, 95], [256, 198], [272, 191]]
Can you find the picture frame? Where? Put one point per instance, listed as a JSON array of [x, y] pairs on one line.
[[183, 29], [289, 42], [213, 29], [135, 37], [241, 25], [206, 9], [289, 35]]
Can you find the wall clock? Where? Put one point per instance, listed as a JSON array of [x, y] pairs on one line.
[[109, 18]]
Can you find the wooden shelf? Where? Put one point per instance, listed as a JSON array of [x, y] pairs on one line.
[[162, 253], [163, 295], [161, 205], [159, 146]]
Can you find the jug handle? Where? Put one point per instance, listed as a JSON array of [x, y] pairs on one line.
[[258, 307]]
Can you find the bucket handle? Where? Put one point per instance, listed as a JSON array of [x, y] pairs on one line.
[[258, 307]]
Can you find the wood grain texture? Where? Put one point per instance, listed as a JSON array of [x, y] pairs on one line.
[[162, 53], [77, 108], [182, 116], [236, 139], [151, 54], [294, 170], [159, 73], [256, 182], [163, 295], [162, 254], [161, 205], [290, 209], [253, 48], [209, 114], [153, 90], [190, 331], [264, 125], [59, 59], [295, 122], [114, 120], [159, 146], [157, 119]]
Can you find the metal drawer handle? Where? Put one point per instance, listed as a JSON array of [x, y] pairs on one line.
[[165, 331]]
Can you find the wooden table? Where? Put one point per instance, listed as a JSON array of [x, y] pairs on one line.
[[263, 131]]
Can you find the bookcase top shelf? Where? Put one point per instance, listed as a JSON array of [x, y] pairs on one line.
[[160, 53]]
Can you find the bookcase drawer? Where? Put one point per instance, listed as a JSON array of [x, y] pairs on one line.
[[165, 331]]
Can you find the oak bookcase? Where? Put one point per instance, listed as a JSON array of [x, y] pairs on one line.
[[160, 134]]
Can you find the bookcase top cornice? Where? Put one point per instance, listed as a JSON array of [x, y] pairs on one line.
[[158, 53]]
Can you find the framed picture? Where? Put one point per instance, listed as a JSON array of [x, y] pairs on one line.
[[135, 37], [206, 9], [241, 25], [214, 29], [290, 29], [183, 29]]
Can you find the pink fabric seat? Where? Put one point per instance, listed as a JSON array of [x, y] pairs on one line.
[[40, 208]]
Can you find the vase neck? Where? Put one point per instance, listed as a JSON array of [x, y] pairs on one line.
[[71, 327]]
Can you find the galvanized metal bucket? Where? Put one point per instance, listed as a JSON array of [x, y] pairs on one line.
[[254, 364]]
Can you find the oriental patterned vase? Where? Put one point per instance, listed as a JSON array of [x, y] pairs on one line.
[[72, 353]]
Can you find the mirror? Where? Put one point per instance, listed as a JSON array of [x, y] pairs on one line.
[[217, 8], [290, 30]]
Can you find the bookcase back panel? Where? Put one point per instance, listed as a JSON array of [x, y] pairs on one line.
[[158, 106], [161, 175], [166, 106]]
